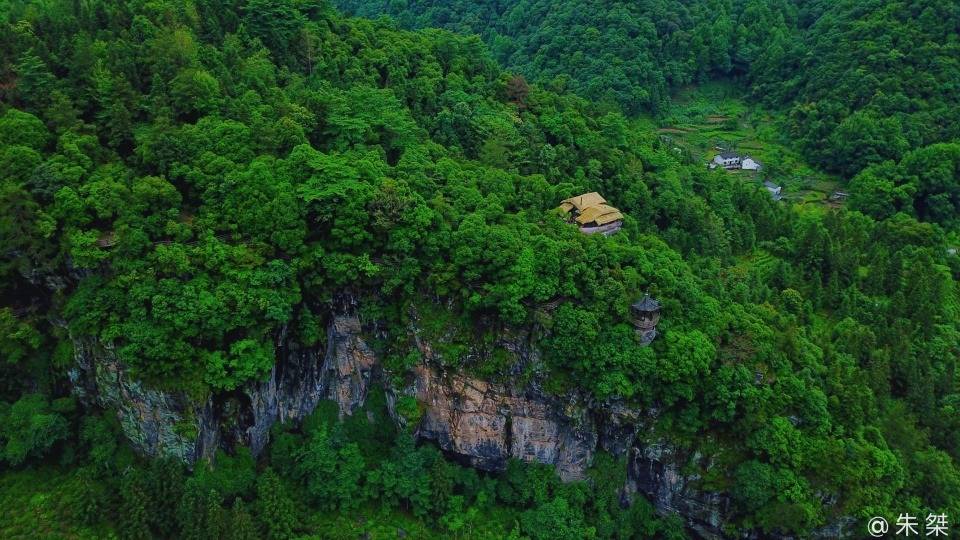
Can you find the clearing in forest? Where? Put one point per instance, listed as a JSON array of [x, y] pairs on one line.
[[706, 119]]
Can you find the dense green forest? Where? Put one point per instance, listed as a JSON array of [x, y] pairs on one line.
[[186, 180], [627, 54], [861, 81]]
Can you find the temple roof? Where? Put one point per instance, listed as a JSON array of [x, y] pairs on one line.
[[600, 214], [582, 202], [646, 304]]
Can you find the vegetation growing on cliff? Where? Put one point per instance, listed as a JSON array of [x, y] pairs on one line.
[[185, 180]]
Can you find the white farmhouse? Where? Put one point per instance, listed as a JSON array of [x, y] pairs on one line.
[[749, 164], [728, 160]]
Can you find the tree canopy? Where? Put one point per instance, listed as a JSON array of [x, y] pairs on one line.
[[189, 182]]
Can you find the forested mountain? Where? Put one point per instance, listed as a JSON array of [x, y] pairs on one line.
[[864, 81], [210, 210], [630, 54], [867, 81]]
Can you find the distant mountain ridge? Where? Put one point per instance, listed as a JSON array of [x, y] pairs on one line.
[[862, 81]]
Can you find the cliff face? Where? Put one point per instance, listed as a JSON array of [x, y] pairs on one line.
[[484, 423], [304, 377], [488, 424], [654, 471], [159, 423]]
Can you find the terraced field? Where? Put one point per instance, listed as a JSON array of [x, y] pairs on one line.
[[764, 263], [711, 117]]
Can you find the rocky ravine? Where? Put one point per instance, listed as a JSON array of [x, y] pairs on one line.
[[483, 423]]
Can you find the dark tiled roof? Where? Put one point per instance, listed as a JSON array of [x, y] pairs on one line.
[[729, 155], [646, 304]]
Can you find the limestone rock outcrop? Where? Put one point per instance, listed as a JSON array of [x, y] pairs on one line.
[[304, 377], [483, 423], [161, 423], [348, 366], [488, 424], [157, 423], [655, 470]]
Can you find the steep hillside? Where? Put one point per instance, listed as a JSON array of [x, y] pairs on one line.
[[866, 81], [317, 261], [627, 54], [861, 82]]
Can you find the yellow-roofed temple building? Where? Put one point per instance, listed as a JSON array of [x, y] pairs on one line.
[[592, 214]]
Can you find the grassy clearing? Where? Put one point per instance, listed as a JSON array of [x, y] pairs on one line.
[[716, 116]]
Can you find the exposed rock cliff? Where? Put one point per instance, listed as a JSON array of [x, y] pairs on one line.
[[304, 377], [348, 366], [157, 423], [654, 471], [488, 424], [160, 423], [484, 423]]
